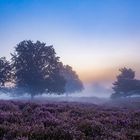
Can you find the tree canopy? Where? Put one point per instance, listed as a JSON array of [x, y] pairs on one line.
[[5, 71], [73, 83], [36, 68], [126, 84]]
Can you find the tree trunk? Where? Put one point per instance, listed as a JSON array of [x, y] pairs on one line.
[[67, 95], [32, 97]]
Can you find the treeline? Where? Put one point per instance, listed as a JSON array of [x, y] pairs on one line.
[[35, 69]]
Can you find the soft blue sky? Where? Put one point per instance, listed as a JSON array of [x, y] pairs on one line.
[[96, 37]]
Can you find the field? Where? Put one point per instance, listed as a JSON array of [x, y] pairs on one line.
[[22, 120]]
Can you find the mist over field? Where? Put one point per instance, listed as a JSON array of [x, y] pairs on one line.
[[90, 90]]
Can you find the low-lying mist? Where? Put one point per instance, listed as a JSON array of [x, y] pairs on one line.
[[92, 93]]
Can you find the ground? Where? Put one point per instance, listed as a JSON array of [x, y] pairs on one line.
[[24, 120]]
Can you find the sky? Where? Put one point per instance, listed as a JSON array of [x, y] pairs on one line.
[[95, 37]]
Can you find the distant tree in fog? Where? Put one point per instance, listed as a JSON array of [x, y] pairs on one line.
[[126, 84], [5, 72], [36, 68], [73, 83]]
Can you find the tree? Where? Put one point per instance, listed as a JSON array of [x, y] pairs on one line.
[[73, 83], [5, 72], [126, 84], [36, 69]]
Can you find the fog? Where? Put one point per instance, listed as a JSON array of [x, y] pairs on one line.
[[94, 90], [92, 93]]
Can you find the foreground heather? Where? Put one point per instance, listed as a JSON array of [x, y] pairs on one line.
[[67, 121]]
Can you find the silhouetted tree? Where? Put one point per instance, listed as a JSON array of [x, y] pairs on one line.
[[36, 69], [73, 83], [126, 85], [5, 72]]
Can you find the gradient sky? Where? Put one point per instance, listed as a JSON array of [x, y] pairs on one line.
[[95, 37]]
